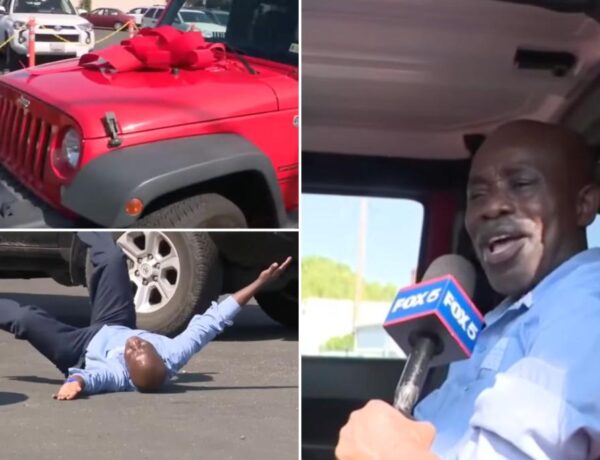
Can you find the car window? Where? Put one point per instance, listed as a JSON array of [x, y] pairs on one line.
[[356, 253], [157, 13], [150, 13], [593, 233], [44, 6], [195, 16]]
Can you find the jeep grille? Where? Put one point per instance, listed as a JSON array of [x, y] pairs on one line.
[[25, 140]]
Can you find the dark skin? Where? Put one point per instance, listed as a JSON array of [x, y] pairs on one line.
[[530, 197], [146, 368]]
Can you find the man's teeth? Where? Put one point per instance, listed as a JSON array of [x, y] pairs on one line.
[[500, 241]]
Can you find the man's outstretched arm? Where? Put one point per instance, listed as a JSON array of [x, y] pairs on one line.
[[203, 328], [91, 381]]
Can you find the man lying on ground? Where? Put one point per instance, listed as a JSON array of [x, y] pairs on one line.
[[110, 354]]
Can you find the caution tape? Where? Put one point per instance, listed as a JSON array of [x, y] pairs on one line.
[[55, 35], [112, 34]]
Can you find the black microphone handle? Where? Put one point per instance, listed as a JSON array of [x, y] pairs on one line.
[[413, 375]]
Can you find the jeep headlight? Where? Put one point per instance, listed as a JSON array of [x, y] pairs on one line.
[[70, 150], [86, 27]]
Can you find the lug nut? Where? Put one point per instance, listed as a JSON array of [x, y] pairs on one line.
[[156, 265], [137, 273], [155, 278], [145, 282], [139, 260], [150, 257]]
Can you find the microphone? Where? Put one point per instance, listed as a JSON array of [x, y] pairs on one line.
[[434, 322]]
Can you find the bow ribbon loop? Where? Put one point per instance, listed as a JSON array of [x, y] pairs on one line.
[[160, 48]]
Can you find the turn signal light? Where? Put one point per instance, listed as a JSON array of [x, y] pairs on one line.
[[134, 207]]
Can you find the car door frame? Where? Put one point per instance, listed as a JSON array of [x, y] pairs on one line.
[[333, 387]]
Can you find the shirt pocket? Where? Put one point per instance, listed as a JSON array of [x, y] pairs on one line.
[[505, 352]]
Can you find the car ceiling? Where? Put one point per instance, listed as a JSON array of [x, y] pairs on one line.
[[411, 78]]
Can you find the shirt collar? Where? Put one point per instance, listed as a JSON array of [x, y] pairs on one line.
[[527, 299]]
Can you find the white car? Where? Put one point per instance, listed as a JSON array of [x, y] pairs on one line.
[[186, 20], [137, 14], [59, 30]]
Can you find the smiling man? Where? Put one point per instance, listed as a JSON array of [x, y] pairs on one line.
[[111, 354], [531, 388]]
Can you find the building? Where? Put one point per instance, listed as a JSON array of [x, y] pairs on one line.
[[323, 319]]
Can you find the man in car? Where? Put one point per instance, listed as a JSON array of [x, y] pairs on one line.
[[532, 386], [111, 354]]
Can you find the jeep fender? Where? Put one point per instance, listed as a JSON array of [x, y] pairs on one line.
[[101, 188]]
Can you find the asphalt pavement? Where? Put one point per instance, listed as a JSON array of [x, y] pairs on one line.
[[236, 399]]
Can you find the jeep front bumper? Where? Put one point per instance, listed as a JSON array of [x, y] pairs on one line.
[[19, 208]]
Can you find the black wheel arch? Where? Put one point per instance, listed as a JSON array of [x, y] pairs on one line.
[[163, 171]]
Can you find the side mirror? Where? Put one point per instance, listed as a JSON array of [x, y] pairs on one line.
[[2, 10]]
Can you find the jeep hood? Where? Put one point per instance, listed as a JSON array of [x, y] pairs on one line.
[[147, 100]]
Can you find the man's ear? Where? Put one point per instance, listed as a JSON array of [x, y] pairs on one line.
[[588, 204]]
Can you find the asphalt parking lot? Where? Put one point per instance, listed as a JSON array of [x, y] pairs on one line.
[[236, 399]]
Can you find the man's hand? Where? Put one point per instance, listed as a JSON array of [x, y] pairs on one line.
[[378, 431], [69, 390], [266, 276], [274, 271]]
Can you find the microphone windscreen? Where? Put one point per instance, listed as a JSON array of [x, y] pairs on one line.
[[455, 265]]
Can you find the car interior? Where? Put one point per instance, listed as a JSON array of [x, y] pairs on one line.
[[397, 97]]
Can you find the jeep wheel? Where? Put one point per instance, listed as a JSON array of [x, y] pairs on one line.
[[173, 276], [281, 306], [202, 211]]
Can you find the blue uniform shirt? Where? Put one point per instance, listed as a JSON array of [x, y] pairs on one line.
[[105, 368], [531, 389]]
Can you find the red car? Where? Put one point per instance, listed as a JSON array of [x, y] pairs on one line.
[[108, 18], [178, 148]]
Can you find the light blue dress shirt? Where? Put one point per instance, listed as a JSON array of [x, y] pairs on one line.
[[531, 389], [105, 369]]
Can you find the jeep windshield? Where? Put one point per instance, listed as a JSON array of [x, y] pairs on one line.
[[44, 6], [266, 29]]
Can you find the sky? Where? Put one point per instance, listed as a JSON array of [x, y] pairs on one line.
[[330, 229]]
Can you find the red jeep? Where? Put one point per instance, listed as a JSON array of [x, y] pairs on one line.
[[180, 147]]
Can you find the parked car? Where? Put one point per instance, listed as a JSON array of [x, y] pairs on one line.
[[137, 14], [110, 18], [218, 16], [187, 149], [186, 19], [194, 269], [399, 115], [59, 30]]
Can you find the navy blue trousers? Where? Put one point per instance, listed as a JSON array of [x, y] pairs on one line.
[[110, 296]]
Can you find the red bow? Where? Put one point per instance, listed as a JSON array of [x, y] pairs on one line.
[[160, 48]]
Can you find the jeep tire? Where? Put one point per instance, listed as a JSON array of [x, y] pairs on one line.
[[282, 305], [199, 277], [201, 211]]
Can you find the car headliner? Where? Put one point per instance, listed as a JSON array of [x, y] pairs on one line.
[[411, 78]]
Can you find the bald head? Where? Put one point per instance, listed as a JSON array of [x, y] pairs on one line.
[[146, 368], [531, 195], [550, 142]]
